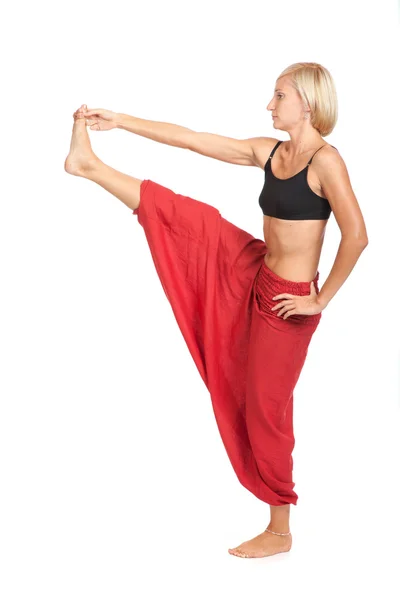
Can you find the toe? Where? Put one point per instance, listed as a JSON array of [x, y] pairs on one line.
[[238, 552]]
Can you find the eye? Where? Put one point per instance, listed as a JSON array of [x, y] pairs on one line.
[[280, 96]]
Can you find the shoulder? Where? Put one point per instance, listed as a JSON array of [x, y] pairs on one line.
[[326, 153], [334, 179], [336, 186], [262, 147], [328, 161]]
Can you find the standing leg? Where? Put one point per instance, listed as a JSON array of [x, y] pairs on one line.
[[280, 515], [274, 364], [82, 162], [277, 353]]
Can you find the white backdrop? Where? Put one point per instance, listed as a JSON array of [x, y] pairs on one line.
[[114, 480]]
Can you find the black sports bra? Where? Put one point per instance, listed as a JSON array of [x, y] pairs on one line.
[[291, 198]]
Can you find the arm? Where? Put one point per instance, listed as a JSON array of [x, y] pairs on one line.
[[231, 150], [166, 133], [350, 249], [336, 186]]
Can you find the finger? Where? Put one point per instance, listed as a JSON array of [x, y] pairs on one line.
[[286, 308], [283, 303], [285, 295], [93, 111], [277, 306], [289, 313]]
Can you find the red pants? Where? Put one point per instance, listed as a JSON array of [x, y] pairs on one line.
[[220, 291]]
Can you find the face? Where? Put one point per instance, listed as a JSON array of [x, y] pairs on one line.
[[286, 105]]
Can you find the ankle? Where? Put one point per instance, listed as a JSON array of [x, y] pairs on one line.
[[90, 168], [279, 528]]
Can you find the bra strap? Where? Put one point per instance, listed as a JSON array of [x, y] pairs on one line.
[[317, 151], [274, 148]]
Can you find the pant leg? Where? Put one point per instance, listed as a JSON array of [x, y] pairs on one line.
[[277, 353], [207, 267]]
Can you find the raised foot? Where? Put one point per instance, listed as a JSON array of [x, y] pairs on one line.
[[81, 157], [264, 544]]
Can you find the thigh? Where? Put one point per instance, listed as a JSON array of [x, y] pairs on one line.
[[275, 360], [207, 267], [199, 238]]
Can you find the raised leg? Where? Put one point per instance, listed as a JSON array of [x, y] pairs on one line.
[[82, 162]]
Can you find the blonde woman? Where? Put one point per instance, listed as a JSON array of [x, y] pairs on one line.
[[247, 308]]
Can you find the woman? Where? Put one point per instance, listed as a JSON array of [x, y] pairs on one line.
[[247, 308]]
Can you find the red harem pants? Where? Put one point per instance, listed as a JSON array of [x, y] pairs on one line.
[[220, 291]]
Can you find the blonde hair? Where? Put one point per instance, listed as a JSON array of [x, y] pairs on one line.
[[317, 89]]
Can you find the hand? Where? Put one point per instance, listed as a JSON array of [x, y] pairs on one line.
[[98, 119], [298, 305]]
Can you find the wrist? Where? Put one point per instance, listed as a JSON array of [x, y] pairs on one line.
[[322, 303], [120, 120]]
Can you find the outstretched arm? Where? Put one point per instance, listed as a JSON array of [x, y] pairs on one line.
[[165, 133], [231, 150]]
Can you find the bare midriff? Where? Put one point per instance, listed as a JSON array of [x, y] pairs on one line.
[[293, 247]]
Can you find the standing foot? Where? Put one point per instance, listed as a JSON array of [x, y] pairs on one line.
[[265, 544], [81, 157]]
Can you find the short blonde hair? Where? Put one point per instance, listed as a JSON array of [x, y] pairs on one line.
[[317, 89]]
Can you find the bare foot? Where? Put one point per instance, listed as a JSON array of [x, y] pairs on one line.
[[81, 157], [262, 545]]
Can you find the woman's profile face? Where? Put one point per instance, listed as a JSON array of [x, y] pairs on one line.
[[286, 106]]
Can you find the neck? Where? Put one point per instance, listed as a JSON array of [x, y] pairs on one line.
[[303, 141]]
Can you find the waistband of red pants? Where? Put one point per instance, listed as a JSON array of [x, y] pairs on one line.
[[268, 280]]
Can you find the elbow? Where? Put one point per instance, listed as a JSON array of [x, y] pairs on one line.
[[357, 239], [362, 237], [362, 241]]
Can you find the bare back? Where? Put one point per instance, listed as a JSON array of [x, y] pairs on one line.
[[294, 247]]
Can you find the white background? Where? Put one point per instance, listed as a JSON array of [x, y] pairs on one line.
[[114, 480]]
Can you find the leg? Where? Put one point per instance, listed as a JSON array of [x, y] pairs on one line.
[[277, 352], [124, 187], [279, 521], [274, 363], [82, 161]]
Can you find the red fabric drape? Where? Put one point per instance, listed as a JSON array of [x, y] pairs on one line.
[[220, 290]]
